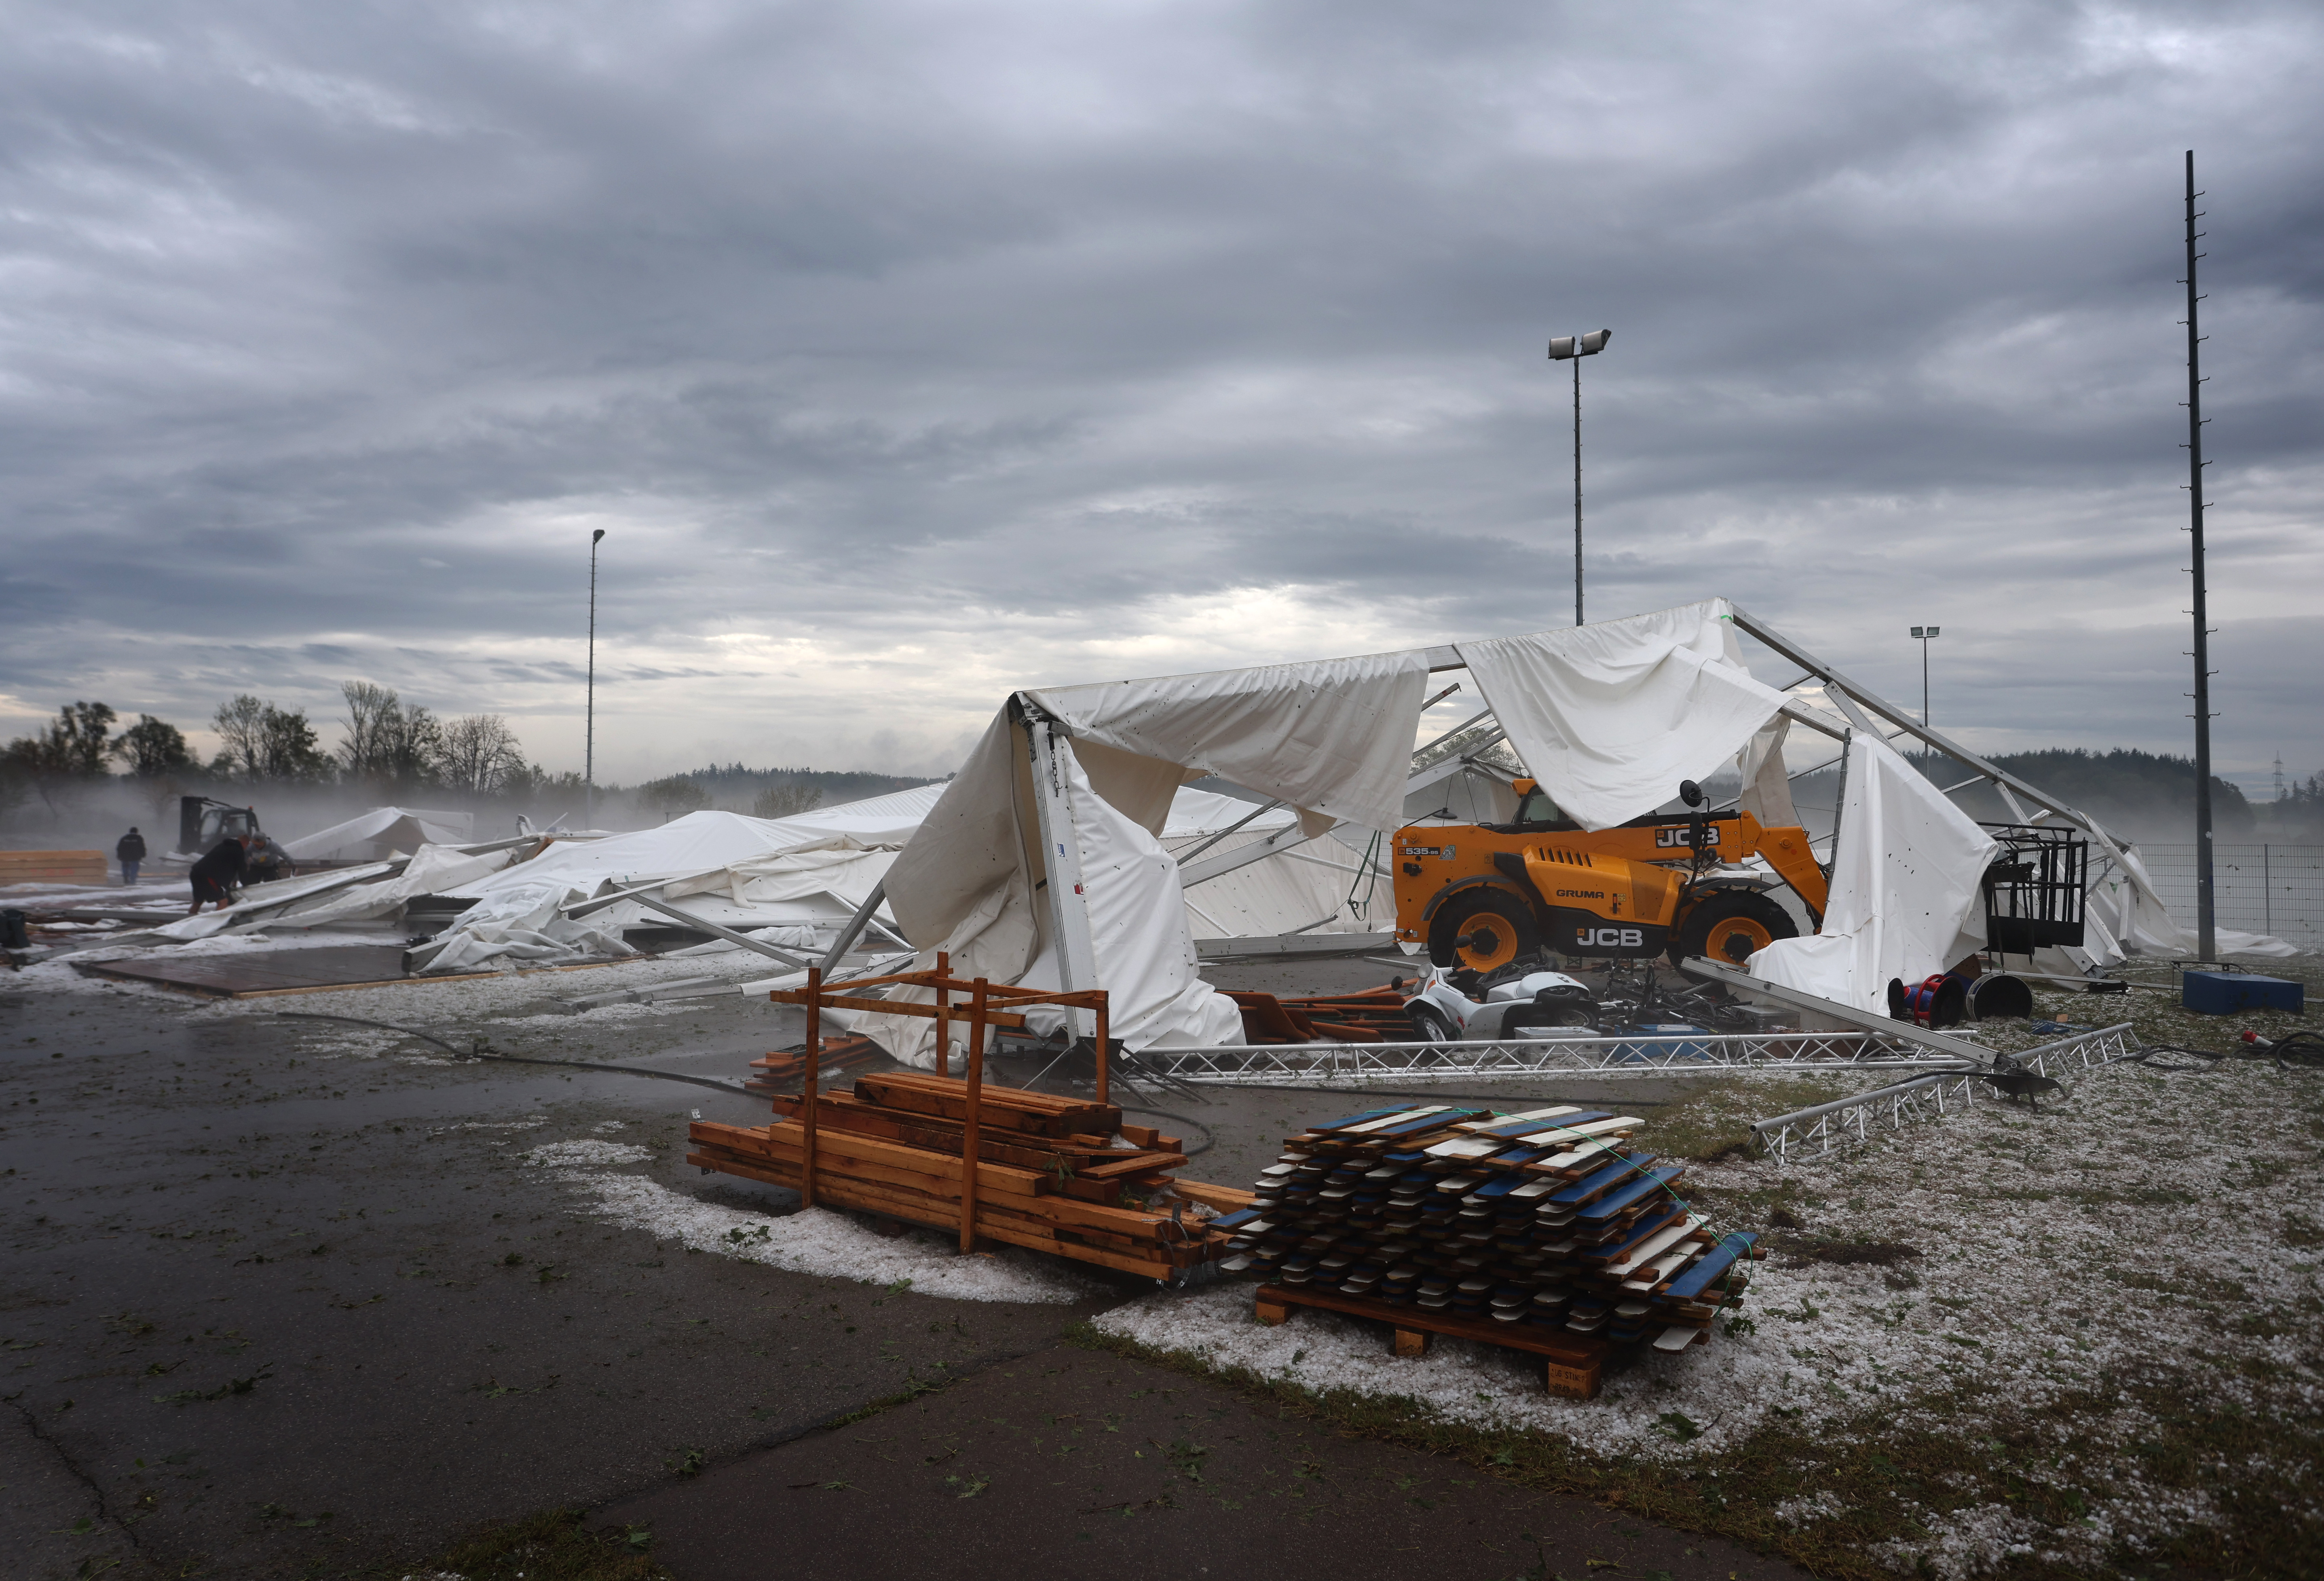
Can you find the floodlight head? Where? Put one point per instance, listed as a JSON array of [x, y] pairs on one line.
[[1595, 342], [1919, 631], [1561, 348], [1932, 631], [595, 536]]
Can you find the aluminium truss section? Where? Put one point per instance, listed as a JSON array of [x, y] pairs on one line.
[[1323, 1064], [1822, 1130]]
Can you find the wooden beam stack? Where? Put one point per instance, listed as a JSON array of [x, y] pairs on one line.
[[1055, 1174], [1544, 1223]]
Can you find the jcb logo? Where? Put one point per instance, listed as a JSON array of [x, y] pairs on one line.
[[1609, 938], [1678, 837]]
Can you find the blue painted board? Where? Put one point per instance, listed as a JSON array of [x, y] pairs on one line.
[[1614, 1201], [1360, 1120], [1690, 1283], [1656, 1221], [1591, 1185], [1527, 1128]]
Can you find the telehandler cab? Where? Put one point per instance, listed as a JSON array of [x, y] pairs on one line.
[[1482, 896]]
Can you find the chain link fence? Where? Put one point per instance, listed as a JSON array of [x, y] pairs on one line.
[[2276, 889]]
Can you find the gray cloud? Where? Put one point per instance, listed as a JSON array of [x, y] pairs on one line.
[[908, 353]]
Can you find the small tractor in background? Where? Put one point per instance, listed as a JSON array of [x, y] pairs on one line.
[[1483, 896], [204, 821]]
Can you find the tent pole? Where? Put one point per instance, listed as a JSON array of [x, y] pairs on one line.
[[855, 926], [1070, 941]]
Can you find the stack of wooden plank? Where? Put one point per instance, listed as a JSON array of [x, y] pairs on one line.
[[1056, 1174], [1368, 1015], [1522, 1228], [786, 1067]]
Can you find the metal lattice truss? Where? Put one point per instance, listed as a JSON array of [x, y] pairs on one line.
[[1337, 1064], [1822, 1130]]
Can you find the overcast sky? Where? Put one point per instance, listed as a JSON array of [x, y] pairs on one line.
[[908, 353]]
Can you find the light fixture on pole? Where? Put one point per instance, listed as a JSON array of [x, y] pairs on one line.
[[1572, 348], [1927, 634], [589, 736]]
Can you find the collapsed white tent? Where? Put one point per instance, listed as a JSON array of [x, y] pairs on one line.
[[382, 833], [779, 879], [1905, 895], [1041, 863]]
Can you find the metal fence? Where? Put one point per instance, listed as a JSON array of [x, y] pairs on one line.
[[2259, 888]]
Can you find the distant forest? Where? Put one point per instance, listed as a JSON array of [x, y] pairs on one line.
[[778, 793], [2148, 795]]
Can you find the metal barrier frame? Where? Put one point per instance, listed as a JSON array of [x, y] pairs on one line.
[[1321, 1064], [1824, 1130]]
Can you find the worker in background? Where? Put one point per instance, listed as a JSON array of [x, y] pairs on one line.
[[216, 874], [130, 850]]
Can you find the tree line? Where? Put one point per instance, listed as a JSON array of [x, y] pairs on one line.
[[387, 744]]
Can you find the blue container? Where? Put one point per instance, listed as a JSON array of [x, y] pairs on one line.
[[2232, 993]]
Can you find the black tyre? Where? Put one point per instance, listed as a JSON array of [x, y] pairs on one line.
[[1728, 926], [1482, 929], [1430, 1024]]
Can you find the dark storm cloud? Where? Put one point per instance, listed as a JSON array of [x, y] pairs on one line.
[[908, 352]]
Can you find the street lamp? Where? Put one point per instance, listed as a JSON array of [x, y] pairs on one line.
[[589, 736], [1927, 634], [1572, 348]]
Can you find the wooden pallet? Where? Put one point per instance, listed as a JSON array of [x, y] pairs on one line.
[[1571, 1362], [84, 868]]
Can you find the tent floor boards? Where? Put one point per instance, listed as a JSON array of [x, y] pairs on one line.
[[285, 971], [1571, 1361]]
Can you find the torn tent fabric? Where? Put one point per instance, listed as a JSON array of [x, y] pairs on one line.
[[1906, 886], [1609, 718], [1331, 737]]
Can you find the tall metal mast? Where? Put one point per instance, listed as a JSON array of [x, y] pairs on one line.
[[2206, 929]]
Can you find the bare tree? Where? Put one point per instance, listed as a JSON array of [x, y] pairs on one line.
[[374, 717], [479, 754], [785, 801], [674, 796], [240, 725]]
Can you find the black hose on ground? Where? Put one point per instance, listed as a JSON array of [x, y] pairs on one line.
[[2294, 1049], [480, 1054]]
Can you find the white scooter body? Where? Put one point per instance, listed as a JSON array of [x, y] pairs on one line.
[[1482, 1021]]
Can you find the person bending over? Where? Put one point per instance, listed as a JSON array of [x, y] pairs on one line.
[[216, 874]]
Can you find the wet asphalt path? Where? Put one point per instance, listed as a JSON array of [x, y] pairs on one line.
[[278, 1302]]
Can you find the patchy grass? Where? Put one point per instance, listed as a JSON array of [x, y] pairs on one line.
[[1866, 1501], [2078, 1341], [1713, 1121]]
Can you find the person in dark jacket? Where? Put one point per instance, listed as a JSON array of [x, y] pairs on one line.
[[216, 874], [130, 850]]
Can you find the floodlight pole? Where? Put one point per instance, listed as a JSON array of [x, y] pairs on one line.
[[2206, 928], [1577, 489], [1925, 633], [589, 730], [1572, 348]]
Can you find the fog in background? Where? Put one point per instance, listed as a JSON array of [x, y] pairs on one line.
[[908, 354]]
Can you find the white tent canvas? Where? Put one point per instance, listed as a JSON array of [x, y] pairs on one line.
[[1040, 863], [381, 831]]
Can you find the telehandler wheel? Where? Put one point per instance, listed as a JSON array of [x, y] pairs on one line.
[[1729, 926], [1482, 928]]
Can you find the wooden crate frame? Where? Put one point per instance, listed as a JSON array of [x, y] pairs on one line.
[[990, 1005]]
